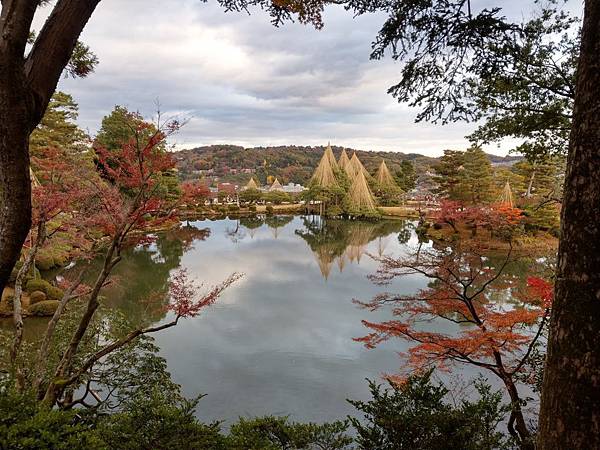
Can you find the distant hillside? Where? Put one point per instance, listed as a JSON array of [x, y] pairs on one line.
[[289, 163]]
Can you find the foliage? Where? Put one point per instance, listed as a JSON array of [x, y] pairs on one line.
[[476, 177], [463, 291], [275, 433], [250, 195], [27, 425], [38, 285], [406, 176], [43, 308], [36, 297], [417, 415], [58, 128]]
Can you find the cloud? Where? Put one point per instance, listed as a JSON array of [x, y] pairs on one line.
[[242, 81]]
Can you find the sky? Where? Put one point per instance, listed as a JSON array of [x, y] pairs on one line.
[[239, 80]]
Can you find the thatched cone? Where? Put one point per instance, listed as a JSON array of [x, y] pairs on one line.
[[344, 161], [330, 156], [251, 184], [324, 175], [356, 167], [360, 196], [506, 197], [276, 186], [383, 177]]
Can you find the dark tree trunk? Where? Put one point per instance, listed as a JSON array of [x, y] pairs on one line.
[[26, 85], [15, 187], [570, 408]]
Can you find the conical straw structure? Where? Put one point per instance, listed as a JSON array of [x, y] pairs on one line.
[[252, 184], [344, 160], [383, 176], [506, 198], [324, 175], [360, 195]]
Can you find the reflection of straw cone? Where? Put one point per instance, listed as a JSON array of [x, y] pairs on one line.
[[382, 244], [325, 262], [341, 262], [252, 232]]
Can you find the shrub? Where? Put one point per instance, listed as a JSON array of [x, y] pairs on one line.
[[418, 416], [252, 208], [270, 209], [54, 293], [38, 285], [45, 308], [8, 303], [36, 297], [233, 208], [278, 433]]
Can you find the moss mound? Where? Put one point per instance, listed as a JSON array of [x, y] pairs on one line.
[[37, 285], [36, 297], [54, 293], [45, 308]]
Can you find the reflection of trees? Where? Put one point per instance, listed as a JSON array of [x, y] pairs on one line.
[[334, 240], [140, 281], [252, 224], [276, 222]]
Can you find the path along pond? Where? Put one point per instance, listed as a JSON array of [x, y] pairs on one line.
[[280, 341]]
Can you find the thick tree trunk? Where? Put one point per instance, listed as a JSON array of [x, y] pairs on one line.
[[570, 408], [15, 187]]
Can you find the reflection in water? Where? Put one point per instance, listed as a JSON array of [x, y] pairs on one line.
[[334, 240], [280, 340]]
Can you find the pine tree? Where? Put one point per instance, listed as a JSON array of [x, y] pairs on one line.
[[58, 128], [447, 175], [476, 178]]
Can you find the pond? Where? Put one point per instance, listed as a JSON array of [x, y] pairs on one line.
[[279, 341]]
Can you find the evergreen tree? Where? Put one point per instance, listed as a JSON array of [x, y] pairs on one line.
[[406, 177], [476, 178], [447, 175], [58, 128]]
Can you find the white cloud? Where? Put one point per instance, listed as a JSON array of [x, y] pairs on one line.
[[243, 81]]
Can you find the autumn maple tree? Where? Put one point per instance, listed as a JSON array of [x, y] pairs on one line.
[[497, 336], [110, 209]]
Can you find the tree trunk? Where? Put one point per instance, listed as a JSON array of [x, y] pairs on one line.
[[15, 186], [570, 407]]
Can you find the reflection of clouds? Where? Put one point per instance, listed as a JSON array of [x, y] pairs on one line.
[[280, 340]]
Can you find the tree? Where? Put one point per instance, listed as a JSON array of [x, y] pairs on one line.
[[476, 181], [447, 47], [447, 175], [493, 337], [121, 210], [27, 82], [406, 177], [58, 128], [417, 415]]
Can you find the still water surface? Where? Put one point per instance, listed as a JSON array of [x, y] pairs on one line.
[[280, 340]]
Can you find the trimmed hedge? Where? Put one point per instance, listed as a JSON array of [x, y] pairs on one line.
[[54, 293], [36, 297], [45, 308], [38, 285]]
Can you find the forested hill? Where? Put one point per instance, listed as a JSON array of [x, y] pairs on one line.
[[290, 163]]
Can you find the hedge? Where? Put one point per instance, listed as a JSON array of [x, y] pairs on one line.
[[45, 308]]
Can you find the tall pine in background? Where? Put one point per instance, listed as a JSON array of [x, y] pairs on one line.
[[476, 177]]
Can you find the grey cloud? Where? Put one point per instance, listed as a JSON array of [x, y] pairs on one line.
[[245, 82]]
